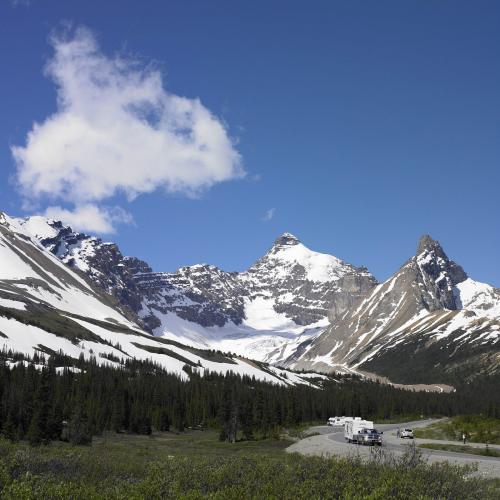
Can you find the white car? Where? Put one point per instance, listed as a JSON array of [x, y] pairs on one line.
[[406, 433]]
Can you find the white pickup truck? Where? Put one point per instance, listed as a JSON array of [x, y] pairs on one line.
[[362, 432]]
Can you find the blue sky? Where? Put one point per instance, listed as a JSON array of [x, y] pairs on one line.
[[361, 125]]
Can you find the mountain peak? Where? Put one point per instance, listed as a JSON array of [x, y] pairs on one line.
[[286, 239], [426, 242], [433, 260]]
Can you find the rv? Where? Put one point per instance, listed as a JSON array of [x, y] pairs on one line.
[[337, 421], [361, 431]]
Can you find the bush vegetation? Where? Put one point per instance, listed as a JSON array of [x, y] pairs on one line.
[[125, 416], [196, 465]]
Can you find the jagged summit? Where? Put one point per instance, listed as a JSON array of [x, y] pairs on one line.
[[435, 264], [427, 243], [286, 239]]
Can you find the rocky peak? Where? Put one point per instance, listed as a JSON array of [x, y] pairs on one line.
[[286, 240], [435, 264], [427, 243]]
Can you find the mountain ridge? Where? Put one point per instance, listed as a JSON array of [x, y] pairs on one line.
[[303, 309], [429, 303], [289, 292], [47, 307]]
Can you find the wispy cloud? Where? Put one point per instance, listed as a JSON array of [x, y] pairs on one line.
[[269, 214], [90, 217], [20, 3], [117, 130]]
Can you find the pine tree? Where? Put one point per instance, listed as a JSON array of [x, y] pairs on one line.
[[39, 431], [78, 430], [179, 414], [10, 428]]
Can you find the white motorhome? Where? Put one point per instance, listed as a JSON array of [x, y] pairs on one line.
[[361, 431], [351, 419], [337, 421]]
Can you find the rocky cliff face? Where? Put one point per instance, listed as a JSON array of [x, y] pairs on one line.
[[201, 294]]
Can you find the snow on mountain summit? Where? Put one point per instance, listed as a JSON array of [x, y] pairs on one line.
[[288, 251], [36, 226]]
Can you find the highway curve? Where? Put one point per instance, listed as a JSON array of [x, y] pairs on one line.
[[331, 442]]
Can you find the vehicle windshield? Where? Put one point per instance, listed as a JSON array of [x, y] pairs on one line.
[[408, 430]]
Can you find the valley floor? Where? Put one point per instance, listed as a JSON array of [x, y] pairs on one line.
[[196, 465]]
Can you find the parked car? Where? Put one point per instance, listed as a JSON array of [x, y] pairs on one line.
[[406, 433]]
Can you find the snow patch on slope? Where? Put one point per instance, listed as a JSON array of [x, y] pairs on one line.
[[243, 340], [479, 297], [12, 304], [319, 267], [261, 315]]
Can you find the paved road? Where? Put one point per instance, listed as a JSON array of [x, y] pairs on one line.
[[331, 442]]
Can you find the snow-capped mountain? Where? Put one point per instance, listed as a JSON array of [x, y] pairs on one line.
[[286, 297], [47, 307], [426, 319], [302, 309], [102, 262]]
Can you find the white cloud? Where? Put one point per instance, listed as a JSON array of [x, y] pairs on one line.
[[269, 214], [255, 177], [18, 3], [90, 217], [117, 130]]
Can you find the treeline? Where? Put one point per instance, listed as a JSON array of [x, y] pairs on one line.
[[41, 403]]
